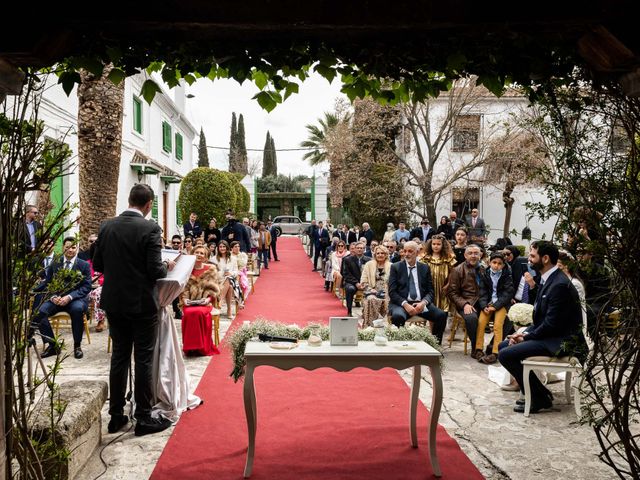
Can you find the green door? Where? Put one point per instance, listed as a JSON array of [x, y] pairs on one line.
[[57, 196]]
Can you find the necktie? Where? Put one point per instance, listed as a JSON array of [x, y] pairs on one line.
[[525, 292], [413, 293], [67, 265], [47, 262]]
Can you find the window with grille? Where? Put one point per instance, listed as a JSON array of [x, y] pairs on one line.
[[466, 133], [178, 146]]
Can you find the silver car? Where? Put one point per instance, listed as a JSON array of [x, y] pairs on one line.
[[289, 225]]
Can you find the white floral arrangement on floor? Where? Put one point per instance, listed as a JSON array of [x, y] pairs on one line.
[[238, 338], [521, 314]]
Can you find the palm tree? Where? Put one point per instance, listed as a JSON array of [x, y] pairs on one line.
[[317, 138], [100, 112]]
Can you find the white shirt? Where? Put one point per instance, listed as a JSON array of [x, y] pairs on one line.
[[71, 262], [545, 277], [134, 210], [414, 272]]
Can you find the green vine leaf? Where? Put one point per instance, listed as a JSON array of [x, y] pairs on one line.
[[149, 90], [260, 79], [116, 76], [265, 101], [68, 80]]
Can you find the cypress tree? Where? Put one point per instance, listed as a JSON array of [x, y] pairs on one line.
[[274, 158], [266, 157], [203, 155], [233, 145], [243, 163]]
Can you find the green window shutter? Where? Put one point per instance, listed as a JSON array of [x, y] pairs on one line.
[[137, 115], [166, 137], [154, 209], [178, 146]]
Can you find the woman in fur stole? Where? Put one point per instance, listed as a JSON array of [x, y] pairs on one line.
[[202, 288]]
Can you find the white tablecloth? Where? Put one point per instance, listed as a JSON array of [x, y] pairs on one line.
[[171, 385]]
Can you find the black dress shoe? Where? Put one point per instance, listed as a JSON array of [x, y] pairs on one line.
[[536, 405], [149, 425], [50, 351], [77, 353], [117, 422], [520, 401]]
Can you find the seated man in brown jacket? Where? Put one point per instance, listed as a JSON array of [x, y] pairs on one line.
[[464, 291]]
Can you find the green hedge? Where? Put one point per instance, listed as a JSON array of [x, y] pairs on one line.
[[207, 192]]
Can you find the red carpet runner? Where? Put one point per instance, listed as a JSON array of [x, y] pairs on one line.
[[311, 425]]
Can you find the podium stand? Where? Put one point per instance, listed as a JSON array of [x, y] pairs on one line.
[[171, 385]]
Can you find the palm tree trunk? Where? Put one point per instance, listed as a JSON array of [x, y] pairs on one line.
[[100, 109]]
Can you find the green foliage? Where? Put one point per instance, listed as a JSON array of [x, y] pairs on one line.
[[269, 166], [242, 147], [317, 138], [281, 183], [238, 339], [235, 181], [246, 200], [207, 192], [203, 155], [233, 144]]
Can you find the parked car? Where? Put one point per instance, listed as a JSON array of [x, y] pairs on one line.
[[289, 225]]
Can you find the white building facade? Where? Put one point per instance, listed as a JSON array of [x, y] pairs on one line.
[[483, 120], [157, 146]]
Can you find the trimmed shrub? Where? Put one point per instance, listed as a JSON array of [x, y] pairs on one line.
[[246, 200], [207, 192]]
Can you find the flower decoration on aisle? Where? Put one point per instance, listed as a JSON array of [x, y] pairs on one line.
[[238, 339], [521, 314]]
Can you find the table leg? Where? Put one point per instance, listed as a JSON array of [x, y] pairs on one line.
[[434, 414], [413, 409], [252, 417]]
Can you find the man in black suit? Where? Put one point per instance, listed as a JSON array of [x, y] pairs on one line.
[[423, 231], [274, 238], [557, 319], [128, 254], [341, 233], [192, 227], [477, 228], [235, 231], [352, 273], [456, 223], [411, 292], [321, 241], [366, 233], [74, 302], [394, 256]]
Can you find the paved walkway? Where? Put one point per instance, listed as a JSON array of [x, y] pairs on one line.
[[502, 444]]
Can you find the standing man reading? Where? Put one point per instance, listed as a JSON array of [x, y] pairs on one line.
[[128, 254]]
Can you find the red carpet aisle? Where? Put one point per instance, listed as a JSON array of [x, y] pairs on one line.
[[311, 425]]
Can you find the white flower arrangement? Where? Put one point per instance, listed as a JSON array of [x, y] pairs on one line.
[[521, 314], [238, 338]]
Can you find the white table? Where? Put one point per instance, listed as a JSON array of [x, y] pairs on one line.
[[343, 359]]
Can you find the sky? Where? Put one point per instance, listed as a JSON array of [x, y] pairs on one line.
[[213, 103]]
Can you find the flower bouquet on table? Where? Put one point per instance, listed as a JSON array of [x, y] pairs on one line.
[[521, 314]]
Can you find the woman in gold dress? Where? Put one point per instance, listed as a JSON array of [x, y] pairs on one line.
[[441, 260]]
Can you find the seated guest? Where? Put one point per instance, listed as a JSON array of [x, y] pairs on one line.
[[97, 280], [176, 242], [388, 235], [86, 254], [202, 288], [366, 234], [460, 245], [557, 318], [374, 280], [199, 243], [568, 265], [242, 259], [445, 229], [188, 246], [464, 291], [212, 251], [440, 258], [352, 273], [227, 276], [421, 250], [74, 301], [411, 292], [392, 247], [368, 251], [496, 292], [517, 264]]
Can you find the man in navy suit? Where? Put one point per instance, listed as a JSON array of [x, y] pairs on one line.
[[556, 328], [192, 227], [423, 231], [411, 292], [321, 239], [74, 302]]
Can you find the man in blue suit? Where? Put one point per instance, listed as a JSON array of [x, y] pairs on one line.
[[74, 302], [556, 328], [411, 292], [321, 239]]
